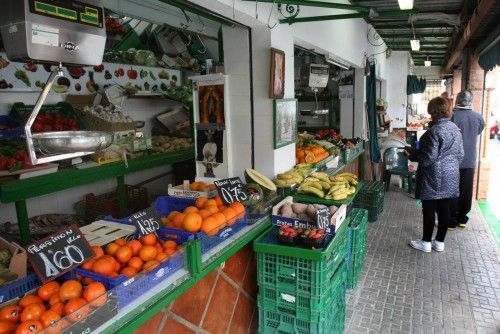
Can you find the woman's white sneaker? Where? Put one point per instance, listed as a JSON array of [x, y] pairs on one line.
[[424, 246], [438, 246]]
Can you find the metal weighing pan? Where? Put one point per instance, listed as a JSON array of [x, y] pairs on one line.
[[71, 141]]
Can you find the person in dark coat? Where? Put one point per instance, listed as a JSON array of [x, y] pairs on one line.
[[441, 151], [471, 124]]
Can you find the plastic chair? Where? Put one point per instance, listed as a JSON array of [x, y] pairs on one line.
[[396, 163]]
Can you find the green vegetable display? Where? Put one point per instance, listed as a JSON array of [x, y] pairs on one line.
[[21, 75], [152, 75]]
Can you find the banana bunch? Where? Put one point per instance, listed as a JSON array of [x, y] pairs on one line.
[[288, 178], [317, 184], [343, 185]]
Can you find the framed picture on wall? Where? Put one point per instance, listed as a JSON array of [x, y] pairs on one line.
[[285, 122], [277, 80]]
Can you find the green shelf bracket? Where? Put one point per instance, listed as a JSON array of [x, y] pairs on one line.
[[22, 219], [371, 14], [193, 257]]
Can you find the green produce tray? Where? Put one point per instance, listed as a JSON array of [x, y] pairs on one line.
[[275, 322], [267, 243], [372, 194], [371, 198], [305, 305], [299, 270], [19, 109], [354, 271], [306, 198], [358, 230]]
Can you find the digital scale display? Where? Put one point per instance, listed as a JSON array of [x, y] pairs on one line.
[[319, 70], [73, 11]]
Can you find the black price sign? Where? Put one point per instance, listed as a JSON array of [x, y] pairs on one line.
[[231, 190], [323, 217], [146, 221], [59, 253]]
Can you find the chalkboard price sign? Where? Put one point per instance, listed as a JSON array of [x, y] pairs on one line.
[[59, 253], [146, 221], [323, 217], [231, 190]]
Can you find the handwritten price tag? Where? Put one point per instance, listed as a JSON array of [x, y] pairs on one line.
[[323, 217], [146, 221], [59, 253], [231, 190]]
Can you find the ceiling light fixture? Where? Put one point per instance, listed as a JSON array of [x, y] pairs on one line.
[[405, 4], [427, 62], [415, 44]]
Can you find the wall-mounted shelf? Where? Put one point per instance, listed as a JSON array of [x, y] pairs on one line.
[[18, 191]]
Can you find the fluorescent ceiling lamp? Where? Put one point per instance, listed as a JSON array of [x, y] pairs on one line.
[[405, 4], [427, 63], [336, 63], [415, 44]]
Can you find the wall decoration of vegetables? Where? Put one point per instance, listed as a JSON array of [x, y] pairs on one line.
[[134, 66]]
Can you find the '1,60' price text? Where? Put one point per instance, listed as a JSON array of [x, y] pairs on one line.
[[61, 260]]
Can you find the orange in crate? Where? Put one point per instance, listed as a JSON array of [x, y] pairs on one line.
[[192, 222]]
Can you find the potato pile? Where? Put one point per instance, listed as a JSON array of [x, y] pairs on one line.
[[163, 144], [303, 211]]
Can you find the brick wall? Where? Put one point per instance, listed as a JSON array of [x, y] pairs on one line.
[[222, 302]]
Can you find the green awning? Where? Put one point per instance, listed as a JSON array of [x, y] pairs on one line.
[[491, 58]]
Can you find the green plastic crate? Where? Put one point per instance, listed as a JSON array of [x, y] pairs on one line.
[[305, 306], [274, 321], [358, 231], [299, 269], [371, 198]]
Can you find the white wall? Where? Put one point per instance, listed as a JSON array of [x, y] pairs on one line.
[[397, 70]]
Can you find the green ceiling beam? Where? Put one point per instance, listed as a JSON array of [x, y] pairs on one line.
[[437, 44], [410, 35], [383, 26], [322, 4], [389, 13]]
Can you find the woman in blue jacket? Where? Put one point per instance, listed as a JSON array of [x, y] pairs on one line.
[[439, 157]]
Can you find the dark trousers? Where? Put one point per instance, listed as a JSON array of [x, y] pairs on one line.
[[430, 208], [461, 206]]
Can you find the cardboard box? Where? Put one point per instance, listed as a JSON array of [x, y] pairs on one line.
[[335, 221], [19, 260], [184, 191]]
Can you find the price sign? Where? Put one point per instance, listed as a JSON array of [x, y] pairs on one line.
[[323, 217], [146, 221], [59, 253], [231, 190]]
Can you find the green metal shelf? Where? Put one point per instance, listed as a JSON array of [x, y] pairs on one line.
[[46, 184], [128, 322], [19, 191]]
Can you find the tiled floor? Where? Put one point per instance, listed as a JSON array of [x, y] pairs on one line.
[[402, 290]]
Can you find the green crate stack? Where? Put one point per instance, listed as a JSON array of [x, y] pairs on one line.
[[330, 319], [371, 198], [358, 231], [301, 290]]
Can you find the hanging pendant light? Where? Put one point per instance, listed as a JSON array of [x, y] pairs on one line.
[[415, 44], [427, 62], [405, 4]]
